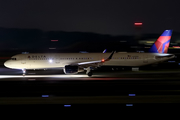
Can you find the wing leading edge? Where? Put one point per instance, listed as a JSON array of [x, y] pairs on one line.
[[97, 61]]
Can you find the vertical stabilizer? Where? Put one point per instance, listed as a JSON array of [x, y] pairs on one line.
[[162, 43]]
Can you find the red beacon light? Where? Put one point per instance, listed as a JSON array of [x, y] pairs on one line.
[[138, 23]]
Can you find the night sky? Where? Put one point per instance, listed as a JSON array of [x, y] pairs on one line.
[[114, 17]]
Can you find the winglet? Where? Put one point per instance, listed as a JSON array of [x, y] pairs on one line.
[[104, 51], [109, 57]]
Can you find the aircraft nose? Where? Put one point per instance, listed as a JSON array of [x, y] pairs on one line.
[[7, 63]]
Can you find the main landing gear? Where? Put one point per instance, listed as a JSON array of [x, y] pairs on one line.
[[89, 71]]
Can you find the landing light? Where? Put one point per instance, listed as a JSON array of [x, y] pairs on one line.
[[50, 61]]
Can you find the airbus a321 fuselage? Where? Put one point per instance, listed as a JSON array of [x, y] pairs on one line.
[[72, 63]]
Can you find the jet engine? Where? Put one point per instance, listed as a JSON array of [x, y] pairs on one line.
[[69, 69]]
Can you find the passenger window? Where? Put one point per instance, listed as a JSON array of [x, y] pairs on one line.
[[13, 58]]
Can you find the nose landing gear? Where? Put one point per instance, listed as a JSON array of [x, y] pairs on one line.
[[24, 72]]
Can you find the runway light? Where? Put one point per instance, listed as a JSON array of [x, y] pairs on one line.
[[67, 105], [45, 96], [177, 47], [138, 23], [129, 105], [151, 42]]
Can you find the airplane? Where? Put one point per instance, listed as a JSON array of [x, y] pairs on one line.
[[72, 63]]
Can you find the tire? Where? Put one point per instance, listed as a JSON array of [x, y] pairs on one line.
[[89, 74]]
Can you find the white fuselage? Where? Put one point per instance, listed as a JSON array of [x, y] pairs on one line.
[[59, 60]]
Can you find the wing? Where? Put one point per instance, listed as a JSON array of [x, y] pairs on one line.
[[94, 63]]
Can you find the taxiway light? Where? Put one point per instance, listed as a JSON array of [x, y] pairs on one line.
[[45, 96], [132, 94], [67, 105], [129, 105]]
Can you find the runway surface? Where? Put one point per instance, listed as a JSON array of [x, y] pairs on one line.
[[73, 77], [124, 89], [16, 75]]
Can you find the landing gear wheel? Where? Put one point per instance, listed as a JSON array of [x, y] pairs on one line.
[[90, 74], [24, 72]]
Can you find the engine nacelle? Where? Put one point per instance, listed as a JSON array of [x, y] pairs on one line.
[[69, 69]]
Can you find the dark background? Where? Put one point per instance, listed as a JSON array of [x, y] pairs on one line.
[[81, 25], [114, 17]]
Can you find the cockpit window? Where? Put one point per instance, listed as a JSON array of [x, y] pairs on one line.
[[13, 58]]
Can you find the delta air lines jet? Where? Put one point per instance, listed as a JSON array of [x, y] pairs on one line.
[[72, 63]]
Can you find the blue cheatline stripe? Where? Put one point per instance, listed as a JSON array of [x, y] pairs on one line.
[[167, 33], [164, 45]]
